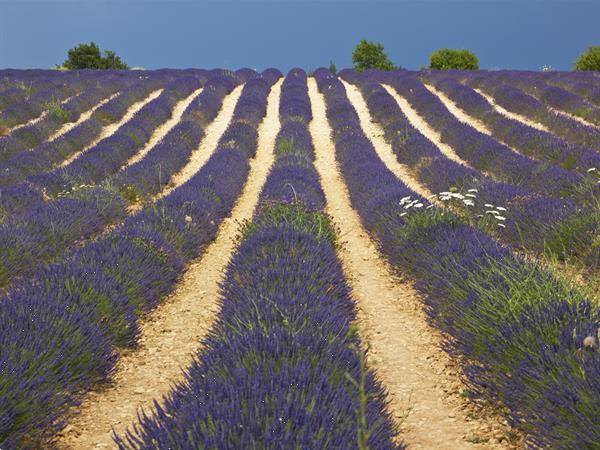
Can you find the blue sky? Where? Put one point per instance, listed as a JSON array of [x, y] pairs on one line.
[[524, 34]]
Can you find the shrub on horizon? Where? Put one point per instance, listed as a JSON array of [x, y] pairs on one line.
[[88, 56], [447, 58], [589, 60], [370, 55]]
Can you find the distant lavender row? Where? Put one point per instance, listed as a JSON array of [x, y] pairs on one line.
[[527, 140], [45, 156], [481, 151], [48, 229], [93, 300], [531, 221], [556, 97], [32, 135], [527, 339], [279, 365], [515, 100], [31, 107], [110, 154]]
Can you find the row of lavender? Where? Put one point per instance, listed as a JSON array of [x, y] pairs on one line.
[[515, 100], [29, 136], [524, 138], [558, 228], [23, 161], [557, 97], [51, 93], [526, 338], [47, 228], [498, 160], [281, 366], [58, 328]]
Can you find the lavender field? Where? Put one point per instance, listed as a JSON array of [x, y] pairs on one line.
[[240, 259]]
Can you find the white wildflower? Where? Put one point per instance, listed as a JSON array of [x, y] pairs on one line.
[[591, 169], [589, 342], [502, 218], [501, 225], [472, 190], [403, 200], [488, 205], [468, 202], [403, 214], [500, 208], [188, 219], [430, 206], [492, 212], [471, 195], [419, 205]]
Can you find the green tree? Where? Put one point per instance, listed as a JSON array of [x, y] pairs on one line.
[[332, 67], [88, 56], [370, 55], [589, 60], [447, 58]]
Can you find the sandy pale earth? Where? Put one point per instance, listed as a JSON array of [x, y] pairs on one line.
[[171, 334], [111, 129], [423, 383]]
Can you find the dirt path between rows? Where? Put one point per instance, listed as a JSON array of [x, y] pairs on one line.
[[82, 118], [465, 118], [111, 129], [213, 133], [423, 383], [162, 130], [512, 115], [171, 334], [423, 127]]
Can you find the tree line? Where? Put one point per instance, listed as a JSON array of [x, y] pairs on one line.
[[366, 55]]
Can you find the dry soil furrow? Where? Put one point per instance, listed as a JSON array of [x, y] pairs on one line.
[[172, 333], [423, 127], [383, 149], [162, 130], [82, 118], [111, 129], [213, 131], [422, 381], [512, 115]]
